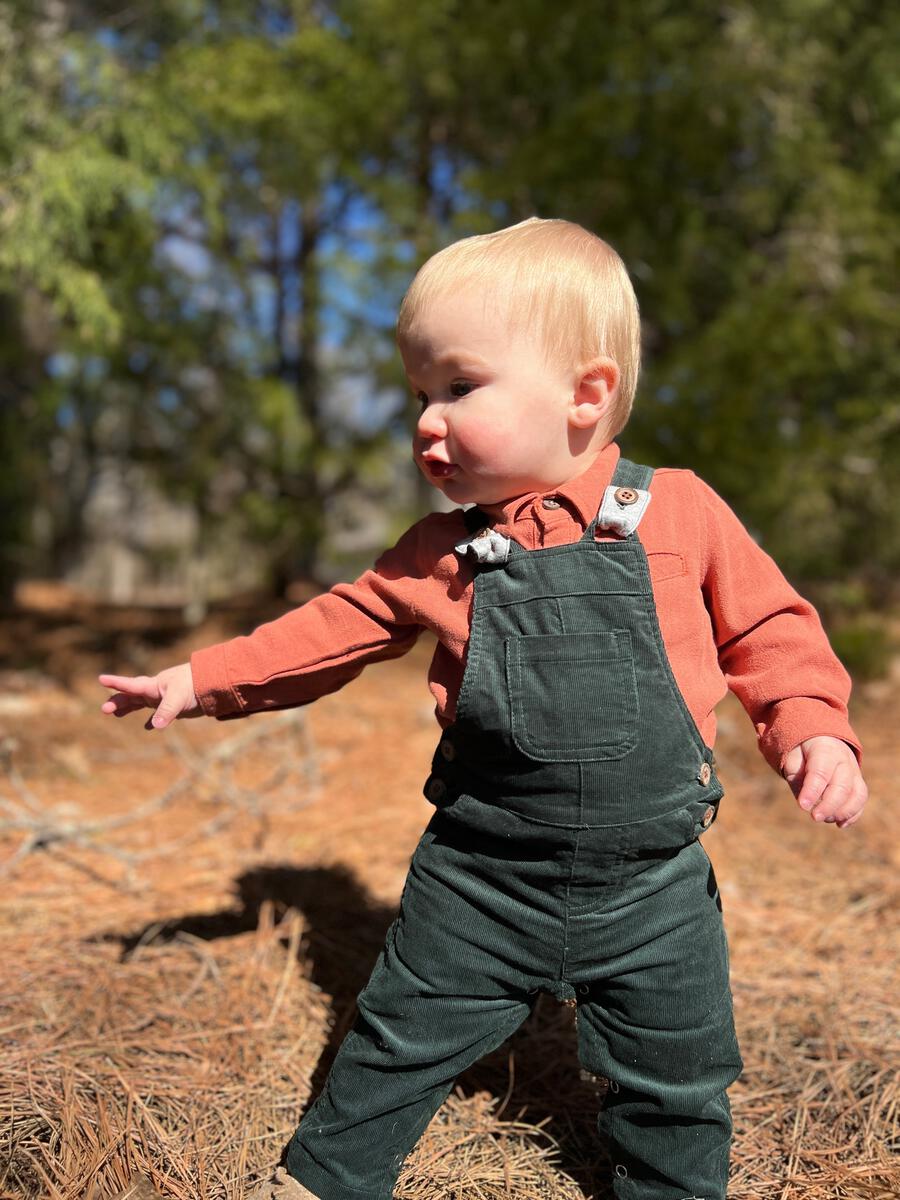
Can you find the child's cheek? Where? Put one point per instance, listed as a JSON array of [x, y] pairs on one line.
[[488, 443]]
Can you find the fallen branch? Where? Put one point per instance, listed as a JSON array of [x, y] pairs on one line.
[[47, 826]]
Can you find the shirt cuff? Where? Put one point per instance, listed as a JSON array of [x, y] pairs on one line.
[[214, 693]]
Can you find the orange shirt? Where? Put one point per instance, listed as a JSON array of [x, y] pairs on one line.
[[729, 618]]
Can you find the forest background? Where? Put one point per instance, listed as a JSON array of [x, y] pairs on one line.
[[209, 212]]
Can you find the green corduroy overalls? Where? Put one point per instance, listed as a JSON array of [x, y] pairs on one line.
[[563, 857]]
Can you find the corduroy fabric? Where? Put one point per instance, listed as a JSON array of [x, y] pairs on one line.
[[563, 856]]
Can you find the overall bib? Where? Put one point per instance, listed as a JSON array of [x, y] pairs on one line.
[[563, 857]]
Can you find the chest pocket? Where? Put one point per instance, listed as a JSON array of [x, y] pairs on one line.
[[573, 697], [665, 564]]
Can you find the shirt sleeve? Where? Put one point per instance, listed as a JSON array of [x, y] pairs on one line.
[[771, 646], [320, 646]]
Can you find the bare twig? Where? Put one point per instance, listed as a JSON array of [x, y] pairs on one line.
[[48, 826]]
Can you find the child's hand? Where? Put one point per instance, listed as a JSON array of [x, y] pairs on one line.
[[171, 693], [825, 777]]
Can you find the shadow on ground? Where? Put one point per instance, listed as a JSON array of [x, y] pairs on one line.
[[536, 1071]]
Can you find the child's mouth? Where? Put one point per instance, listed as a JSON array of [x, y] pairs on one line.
[[440, 470]]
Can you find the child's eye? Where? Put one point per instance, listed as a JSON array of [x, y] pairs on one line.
[[458, 388]]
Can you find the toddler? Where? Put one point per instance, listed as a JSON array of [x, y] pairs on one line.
[[590, 612]]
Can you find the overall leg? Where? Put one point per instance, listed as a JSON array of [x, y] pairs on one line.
[[436, 1002], [657, 1021]]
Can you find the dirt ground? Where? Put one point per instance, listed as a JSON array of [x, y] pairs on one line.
[[187, 916]]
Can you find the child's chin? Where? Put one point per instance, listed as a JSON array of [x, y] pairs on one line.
[[462, 490], [459, 491], [452, 486]]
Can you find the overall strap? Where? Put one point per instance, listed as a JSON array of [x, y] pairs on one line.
[[483, 544], [631, 474], [624, 501]]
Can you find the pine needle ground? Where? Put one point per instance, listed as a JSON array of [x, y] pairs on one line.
[[178, 976]]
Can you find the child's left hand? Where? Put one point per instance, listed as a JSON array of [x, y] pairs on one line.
[[825, 777]]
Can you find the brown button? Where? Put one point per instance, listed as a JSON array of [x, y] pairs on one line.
[[549, 502], [705, 774], [448, 750], [437, 790], [708, 817], [625, 495]]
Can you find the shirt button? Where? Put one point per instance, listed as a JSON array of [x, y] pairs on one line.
[[625, 495], [705, 774], [448, 751], [437, 790], [549, 502], [708, 817]]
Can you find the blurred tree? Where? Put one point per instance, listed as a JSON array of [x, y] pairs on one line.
[[216, 207], [175, 198], [746, 163], [83, 147]]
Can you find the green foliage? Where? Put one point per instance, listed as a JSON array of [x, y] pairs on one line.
[[70, 172], [745, 163], [191, 208], [865, 647]]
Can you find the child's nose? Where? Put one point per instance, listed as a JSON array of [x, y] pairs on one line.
[[431, 423]]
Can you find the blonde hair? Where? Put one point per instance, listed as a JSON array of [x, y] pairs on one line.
[[564, 283]]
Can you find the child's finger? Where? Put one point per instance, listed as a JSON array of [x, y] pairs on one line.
[[824, 760], [131, 684], [165, 714], [851, 811], [120, 705], [836, 795], [815, 779], [843, 824]]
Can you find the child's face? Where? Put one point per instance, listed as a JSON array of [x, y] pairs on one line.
[[495, 414]]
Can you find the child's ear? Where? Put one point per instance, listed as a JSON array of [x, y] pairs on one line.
[[596, 384]]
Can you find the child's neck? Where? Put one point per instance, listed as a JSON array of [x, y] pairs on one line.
[[580, 466]]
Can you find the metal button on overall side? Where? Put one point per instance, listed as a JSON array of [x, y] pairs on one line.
[[613, 1086], [707, 818], [550, 502], [448, 750], [625, 495], [705, 774], [437, 790], [621, 1171]]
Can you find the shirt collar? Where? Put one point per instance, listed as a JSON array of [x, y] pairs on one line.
[[582, 494]]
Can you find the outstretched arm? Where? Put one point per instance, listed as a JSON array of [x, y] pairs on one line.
[[304, 654]]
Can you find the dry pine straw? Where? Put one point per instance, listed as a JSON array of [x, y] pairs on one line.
[[188, 1060]]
